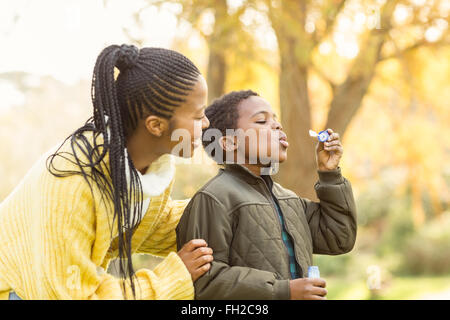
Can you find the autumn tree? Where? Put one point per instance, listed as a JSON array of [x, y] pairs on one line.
[[302, 28]]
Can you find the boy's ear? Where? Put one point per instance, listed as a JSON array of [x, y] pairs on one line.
[[228, 143], [156, 126]]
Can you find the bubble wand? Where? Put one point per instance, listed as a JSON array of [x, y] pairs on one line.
[[322, 136]]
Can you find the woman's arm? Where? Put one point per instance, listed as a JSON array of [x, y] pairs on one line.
[[61, 265], [163, 240]]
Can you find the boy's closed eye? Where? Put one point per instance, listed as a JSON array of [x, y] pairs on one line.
[[262, 117]]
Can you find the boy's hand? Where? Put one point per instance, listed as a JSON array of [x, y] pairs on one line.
[[197, 257], [308, 289], [329, 153]]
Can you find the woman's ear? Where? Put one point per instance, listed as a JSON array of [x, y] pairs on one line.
[[156, 126], [228, 143]]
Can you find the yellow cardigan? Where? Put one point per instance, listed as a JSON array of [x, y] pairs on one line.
[[55, 242]]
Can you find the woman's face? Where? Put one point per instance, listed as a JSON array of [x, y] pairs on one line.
[[188, 121]]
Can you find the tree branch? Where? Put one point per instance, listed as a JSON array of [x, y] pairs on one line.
[[422, 43], [348, 95], [330, 22], [321, 74]]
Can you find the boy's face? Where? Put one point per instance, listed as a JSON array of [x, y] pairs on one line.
[[260, 124]]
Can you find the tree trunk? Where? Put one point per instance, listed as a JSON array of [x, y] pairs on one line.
[[216, 74], [217, 65], [299, 172]]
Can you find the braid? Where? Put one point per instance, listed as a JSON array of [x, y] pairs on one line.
[[157, 84], [151, 81], [222, 114]]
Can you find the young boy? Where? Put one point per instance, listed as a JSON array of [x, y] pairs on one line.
[[262, 235]]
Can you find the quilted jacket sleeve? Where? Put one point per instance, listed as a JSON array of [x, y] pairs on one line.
[[206, 218], [332, 220]]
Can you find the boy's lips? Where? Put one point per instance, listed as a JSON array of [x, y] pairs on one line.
[[283, 140]]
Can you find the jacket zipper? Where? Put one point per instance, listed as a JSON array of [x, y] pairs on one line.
[[295, 252], [281, 227]]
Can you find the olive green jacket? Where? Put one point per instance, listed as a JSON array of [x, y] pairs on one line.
[[235, 213]]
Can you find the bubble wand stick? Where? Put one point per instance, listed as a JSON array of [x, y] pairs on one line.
[[322, 136]]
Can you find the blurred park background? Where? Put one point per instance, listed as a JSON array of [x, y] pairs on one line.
[[376, 72]]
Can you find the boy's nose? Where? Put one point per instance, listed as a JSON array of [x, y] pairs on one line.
[[277, 126]]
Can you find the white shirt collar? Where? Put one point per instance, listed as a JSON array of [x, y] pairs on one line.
[[158, 175]]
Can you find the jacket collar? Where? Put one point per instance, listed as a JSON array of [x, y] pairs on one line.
[[248, 176]]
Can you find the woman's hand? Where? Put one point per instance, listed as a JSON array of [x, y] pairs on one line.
[[329, 153], [197, 257]]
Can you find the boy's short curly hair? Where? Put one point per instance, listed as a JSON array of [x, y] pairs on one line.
[[223, 114]]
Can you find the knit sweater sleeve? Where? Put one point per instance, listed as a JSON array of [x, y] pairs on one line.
[[64, 269], [163, 241]]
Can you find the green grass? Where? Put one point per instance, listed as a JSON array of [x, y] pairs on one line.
[[397, 288]]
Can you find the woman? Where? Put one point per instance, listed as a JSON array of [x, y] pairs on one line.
[[105, 191]]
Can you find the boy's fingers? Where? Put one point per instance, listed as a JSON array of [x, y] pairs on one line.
[[319, 282], [334, 136], [319, 291], [334, 148], [332, 143]]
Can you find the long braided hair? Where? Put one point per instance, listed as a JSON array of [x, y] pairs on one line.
[[151, 81]]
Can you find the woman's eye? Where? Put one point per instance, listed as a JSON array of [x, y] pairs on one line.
[[261, 121]]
